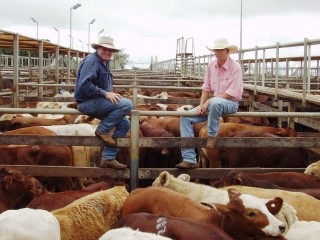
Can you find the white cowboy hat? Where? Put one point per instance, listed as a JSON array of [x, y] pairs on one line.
[[222, 43], [106, 42]]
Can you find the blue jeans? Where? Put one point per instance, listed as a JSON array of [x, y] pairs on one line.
[[216, 108], [111, 116]]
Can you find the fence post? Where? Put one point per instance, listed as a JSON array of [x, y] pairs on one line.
[[134, 149], [134, 90]]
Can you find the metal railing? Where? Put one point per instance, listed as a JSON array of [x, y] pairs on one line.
[[135, 142], [260, 63]]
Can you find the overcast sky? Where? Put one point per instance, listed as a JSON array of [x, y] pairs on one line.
[[146, 28]]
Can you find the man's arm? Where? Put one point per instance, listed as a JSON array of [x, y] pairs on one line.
[[204, 102]]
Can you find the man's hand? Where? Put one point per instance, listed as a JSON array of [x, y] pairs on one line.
[[113, 97], [203, 108]]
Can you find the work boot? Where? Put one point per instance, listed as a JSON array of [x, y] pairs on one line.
[[186, 165], [212, 142], [107, 138], [112, 164]]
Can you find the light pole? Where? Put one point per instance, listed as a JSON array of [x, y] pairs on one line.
[[57, 56], [101, 31], [37, 26], [71, 42], [58, 35], [240, 47], [81, 44], [92, 21], [74, 8]]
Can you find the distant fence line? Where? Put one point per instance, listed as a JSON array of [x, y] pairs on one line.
[[262, 64]]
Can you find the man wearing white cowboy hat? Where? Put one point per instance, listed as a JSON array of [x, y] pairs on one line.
[[95, 97], [223, 80]]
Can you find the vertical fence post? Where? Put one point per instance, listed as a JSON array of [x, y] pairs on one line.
[[277, 72], [40, 89], [255, 70], [263, 72], [305, 71], [134, 90], [16, 70], [134, 149]]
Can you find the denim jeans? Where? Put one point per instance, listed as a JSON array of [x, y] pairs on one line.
[[216, 108], [111, 116]]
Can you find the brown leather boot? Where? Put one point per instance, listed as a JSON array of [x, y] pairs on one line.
[[186, 165], [112, 164], [107, 138]]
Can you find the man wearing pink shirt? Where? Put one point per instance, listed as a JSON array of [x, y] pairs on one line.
[[221, 90]]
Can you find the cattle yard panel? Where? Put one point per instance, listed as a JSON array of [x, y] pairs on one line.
[[47, 88], [138, 83], [260, 65], [282, 93], [135, 142]]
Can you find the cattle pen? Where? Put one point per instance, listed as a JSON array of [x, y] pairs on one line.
[[288, 93]]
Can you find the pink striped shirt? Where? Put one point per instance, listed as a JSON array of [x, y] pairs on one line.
[[226, 79]]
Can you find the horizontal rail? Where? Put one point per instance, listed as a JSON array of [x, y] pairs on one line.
[[114, 86], [176, 142], [165, 113], [143, 173], [281, 45], [237, 114], [5, 93], [182, 101]]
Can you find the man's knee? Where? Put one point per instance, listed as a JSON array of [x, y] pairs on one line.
[[185, 120], [126, 123], [126, 104]]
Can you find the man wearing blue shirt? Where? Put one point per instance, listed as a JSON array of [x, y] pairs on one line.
[[95, 97]]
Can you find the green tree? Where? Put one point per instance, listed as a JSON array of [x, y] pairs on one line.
[[121, 58]]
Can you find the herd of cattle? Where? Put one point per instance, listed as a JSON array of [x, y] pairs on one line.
[[172, 208], [278, 205]]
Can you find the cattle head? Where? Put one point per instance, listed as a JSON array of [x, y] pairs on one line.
[[231, 178], [14, 179], [253, 220], [14, 185], [38, 189], [313, 169], [286, 213]]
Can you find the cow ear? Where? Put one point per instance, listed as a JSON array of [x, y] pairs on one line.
[[224, 209], [239, 180], [184, 177], [235, 202], [164, 178], [274, 205], [5, 183], [233, 193]]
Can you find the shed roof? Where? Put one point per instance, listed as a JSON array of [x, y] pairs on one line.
[[32, 44]]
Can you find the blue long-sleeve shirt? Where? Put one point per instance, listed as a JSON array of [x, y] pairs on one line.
[[94, 79]]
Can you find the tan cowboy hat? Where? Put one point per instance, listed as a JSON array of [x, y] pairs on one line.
[[106, 42], [222, 43]]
